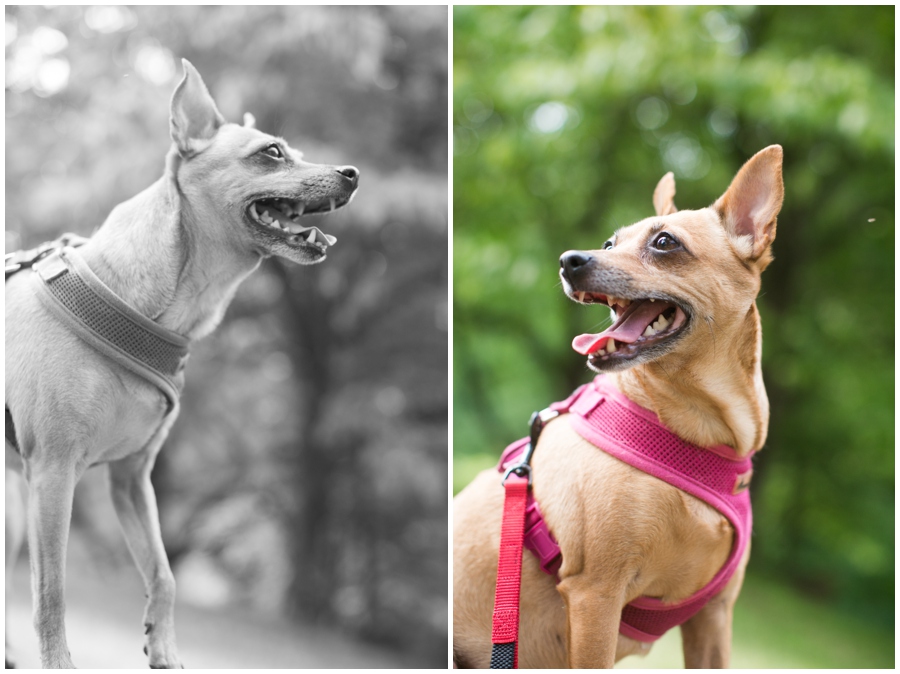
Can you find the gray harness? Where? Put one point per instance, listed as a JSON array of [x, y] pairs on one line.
[[72, 292]]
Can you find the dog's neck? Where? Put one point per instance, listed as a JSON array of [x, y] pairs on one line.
[[151, 252], [715, 396]]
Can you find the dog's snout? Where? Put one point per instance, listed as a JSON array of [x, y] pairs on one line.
[[574, 263], [350, 172]]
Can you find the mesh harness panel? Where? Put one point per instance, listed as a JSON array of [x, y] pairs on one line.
[[607, 419], [72, 292], [68, 287]]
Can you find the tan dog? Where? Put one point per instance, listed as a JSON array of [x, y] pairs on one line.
[[230, 196], [623, 533]]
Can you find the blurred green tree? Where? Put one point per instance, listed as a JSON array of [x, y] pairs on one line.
[[564, 120]]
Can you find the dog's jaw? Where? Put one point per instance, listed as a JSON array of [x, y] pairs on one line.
[[275, 224], [644, 328]]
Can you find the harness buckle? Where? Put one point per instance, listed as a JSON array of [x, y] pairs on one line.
[[51, 267]]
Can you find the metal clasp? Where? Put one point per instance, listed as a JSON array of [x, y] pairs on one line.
[[520, 469], [536, 424]]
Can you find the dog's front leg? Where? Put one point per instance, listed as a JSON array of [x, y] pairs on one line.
[[135, 505], [706, 637], [593, 623], [15, 536], [51, 489]]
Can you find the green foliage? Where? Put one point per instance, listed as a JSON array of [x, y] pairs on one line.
[[564, 120]]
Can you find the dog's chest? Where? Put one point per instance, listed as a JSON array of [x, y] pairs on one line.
[[100, 409], [624, 527]]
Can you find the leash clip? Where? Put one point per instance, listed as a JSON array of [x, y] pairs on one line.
[[537, 423], [520, 469]]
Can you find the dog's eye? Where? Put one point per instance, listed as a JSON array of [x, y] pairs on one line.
[[665, 241], [608, 245], [273, 151]]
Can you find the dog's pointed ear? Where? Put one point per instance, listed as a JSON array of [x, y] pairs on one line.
[[194, 118], [249, 121], [750, 206], [664, 195]]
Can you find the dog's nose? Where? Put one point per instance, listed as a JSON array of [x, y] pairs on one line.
[[350, 172], [575, 262]]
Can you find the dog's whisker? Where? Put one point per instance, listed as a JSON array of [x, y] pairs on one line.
[[710, 321], [665, 372]]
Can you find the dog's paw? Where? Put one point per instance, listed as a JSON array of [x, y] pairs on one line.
[[173, 663], [160, 648], [163, 660], [169, 663]]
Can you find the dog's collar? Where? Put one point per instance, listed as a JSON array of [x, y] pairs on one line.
[[69, 289]]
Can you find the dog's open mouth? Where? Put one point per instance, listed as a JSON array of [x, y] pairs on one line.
[[280, 216], [640, 325]]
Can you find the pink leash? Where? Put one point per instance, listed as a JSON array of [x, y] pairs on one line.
[[505, 621], [505, 625]]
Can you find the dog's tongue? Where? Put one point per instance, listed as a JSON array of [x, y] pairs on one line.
[[629, 326]]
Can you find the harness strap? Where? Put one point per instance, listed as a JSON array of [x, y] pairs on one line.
[[505, 624], [25, 259], [69, 289], [716, 475]]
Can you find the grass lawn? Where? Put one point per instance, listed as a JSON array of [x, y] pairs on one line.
[[774, 627]]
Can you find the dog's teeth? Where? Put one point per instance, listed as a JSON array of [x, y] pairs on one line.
[[611, 347], [625, 303], [295, 229], [330, 239], [266, 218], [581, 296], [300, 208], [253, 210], [312, 236], [663, 322], [652, 300], [649, 332]]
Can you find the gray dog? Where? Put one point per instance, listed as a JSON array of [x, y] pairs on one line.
[[174, 254]]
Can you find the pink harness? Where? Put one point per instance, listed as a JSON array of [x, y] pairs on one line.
[[607, 419]]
